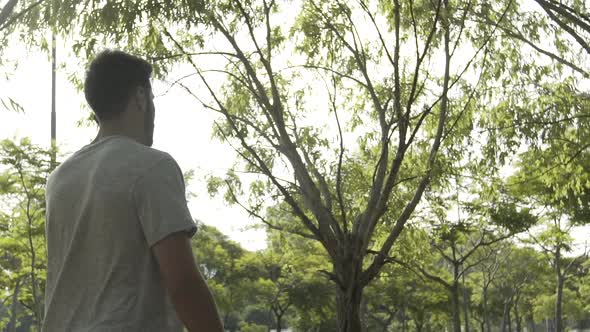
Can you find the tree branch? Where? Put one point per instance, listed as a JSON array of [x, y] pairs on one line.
[[373, 269], [6, 11]]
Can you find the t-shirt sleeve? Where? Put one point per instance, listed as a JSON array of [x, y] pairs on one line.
[[161, 202]]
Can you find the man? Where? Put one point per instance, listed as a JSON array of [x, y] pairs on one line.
[[118, 228]]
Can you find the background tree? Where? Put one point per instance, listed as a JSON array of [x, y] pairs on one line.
[[399, 298], [492, 257], [522, 269], [561, 191], [24, 171], [220, 262], [458, 241]]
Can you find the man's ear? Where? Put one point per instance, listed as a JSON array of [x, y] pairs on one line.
[[140, 98]]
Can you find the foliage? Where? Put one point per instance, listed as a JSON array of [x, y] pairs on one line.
[[24, 171]]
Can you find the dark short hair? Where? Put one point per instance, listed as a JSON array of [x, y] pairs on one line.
[[111, 79]]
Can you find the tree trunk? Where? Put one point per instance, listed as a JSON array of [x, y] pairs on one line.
[[546, 325], [349, 291], [465, 305], [455, 307], [531, 324], [558, 304], [11, 327], [509, 321], [419, 326], [517, 316], [279, 319], [506, 316], [486, 317], [559, 295], [348, 309]]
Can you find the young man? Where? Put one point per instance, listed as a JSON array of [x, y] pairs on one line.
[[118, 227]]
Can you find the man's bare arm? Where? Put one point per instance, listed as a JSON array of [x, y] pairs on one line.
[[188, 290]]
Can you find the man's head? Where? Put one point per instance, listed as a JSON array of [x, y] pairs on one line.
[[118, 90]]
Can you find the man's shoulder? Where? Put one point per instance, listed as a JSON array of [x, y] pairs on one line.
[[145, 155], [133, 155], [119, 155]]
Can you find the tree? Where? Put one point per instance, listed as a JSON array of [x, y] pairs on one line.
[[301, 294], [492, 258], [10, 15], [555, 243], [220, 260], [584, 287], [22, 220], [401, 105], [458, 242], [557, 182], [455, 249], [515, 284], [262, 118], [399, 294], [271, 287]]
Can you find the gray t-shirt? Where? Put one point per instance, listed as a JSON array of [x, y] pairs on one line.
[[107, 205]]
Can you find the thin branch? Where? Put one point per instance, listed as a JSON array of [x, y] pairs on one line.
[[567, 28], [471, 94], [264, 220], [568, 12], [356, 38], [339, 189], [443, 253], [519, 36], [355, 53], [179, 55], [420, 58], [20, 14], [6, 11], [517, 123], [464, 16], [567, 162], [265, 169], [421, 271], [246, 121], [311, 165], [376, 26], [318, 67], [483, 243], [565, 9], [267, 8], [373, 269]]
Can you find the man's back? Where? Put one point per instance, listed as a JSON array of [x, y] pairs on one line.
[[106, 206]]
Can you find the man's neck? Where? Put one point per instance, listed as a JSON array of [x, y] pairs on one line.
[[106, 132]]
